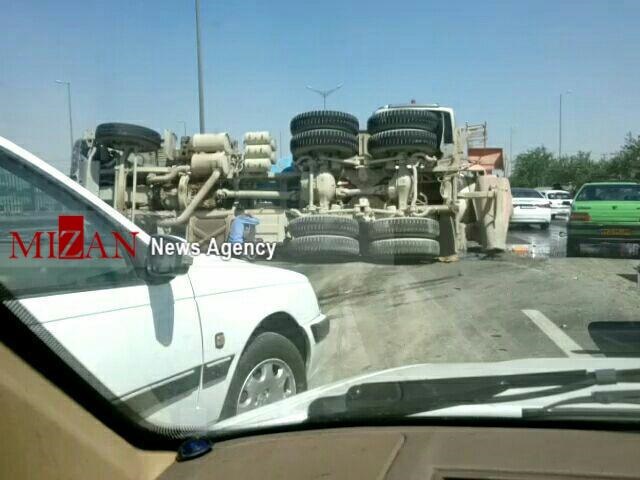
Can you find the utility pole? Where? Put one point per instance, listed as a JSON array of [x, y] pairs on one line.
[[324, 93], [560, 125], [199, 56], [510, 160], [68, 84]]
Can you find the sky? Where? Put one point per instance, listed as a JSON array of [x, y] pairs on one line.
[[503, 62]]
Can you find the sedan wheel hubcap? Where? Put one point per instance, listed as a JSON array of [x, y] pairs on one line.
[[268, 382]]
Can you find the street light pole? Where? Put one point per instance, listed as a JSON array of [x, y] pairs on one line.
[[68, 84], [199, 57], [184, 126], [560, 125], [324, 93], [510, 142], [510, 161]]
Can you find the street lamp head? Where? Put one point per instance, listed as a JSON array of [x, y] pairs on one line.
[[324, 93]]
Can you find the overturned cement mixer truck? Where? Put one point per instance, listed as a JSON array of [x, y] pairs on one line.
[[402, 187]]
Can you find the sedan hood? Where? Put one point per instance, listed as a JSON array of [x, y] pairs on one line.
[[210, 275], [294, 410]]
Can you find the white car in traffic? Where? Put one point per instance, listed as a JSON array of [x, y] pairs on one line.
[[530, 207], [560, 202], [177, 340]]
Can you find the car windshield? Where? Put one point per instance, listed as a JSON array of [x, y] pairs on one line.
[[611, 193], [224, 216]]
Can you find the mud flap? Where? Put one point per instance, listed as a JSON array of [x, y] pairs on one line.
[[448, 247], [493, 213]]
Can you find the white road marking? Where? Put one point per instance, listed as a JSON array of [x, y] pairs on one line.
[[557, 336]]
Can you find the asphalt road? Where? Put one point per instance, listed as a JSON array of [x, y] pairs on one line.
[[479, 309], [533, 242], [530, 240]]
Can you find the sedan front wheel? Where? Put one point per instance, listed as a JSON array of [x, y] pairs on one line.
[[270, 369]]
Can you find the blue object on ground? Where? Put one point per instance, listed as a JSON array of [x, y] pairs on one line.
[[238, 226]]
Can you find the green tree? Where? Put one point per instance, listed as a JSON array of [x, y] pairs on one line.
[[530, 169], [540, 168], [625, 165]]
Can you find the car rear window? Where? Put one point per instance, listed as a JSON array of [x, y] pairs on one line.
[[526, 193], [622, 193], [558, 196]]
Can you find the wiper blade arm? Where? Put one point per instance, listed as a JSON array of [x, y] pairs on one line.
[[400, 398], [607, 397]]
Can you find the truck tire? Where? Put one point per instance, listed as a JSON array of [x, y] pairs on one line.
[[321, 119], [415, 227], [324, 140], [324, 225], [403, 118], [404, 247], [266, 346], [324, 245], [123, 135], [408, 140]]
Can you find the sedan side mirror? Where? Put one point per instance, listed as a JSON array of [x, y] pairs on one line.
[[167, 257]]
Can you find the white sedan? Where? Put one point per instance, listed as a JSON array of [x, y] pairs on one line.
[[560, 202], [530, 207], [173, 339]]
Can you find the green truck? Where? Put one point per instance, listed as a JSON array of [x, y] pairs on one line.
[[606, 212]]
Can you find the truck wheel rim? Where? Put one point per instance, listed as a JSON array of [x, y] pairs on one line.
[[268, 382]]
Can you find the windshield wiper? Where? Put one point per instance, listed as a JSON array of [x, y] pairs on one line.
[[401, 398], [564, 409]]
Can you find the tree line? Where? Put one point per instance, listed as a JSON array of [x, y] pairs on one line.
[[539, 167]]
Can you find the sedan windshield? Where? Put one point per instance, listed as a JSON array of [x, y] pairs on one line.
[[228, 216]]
